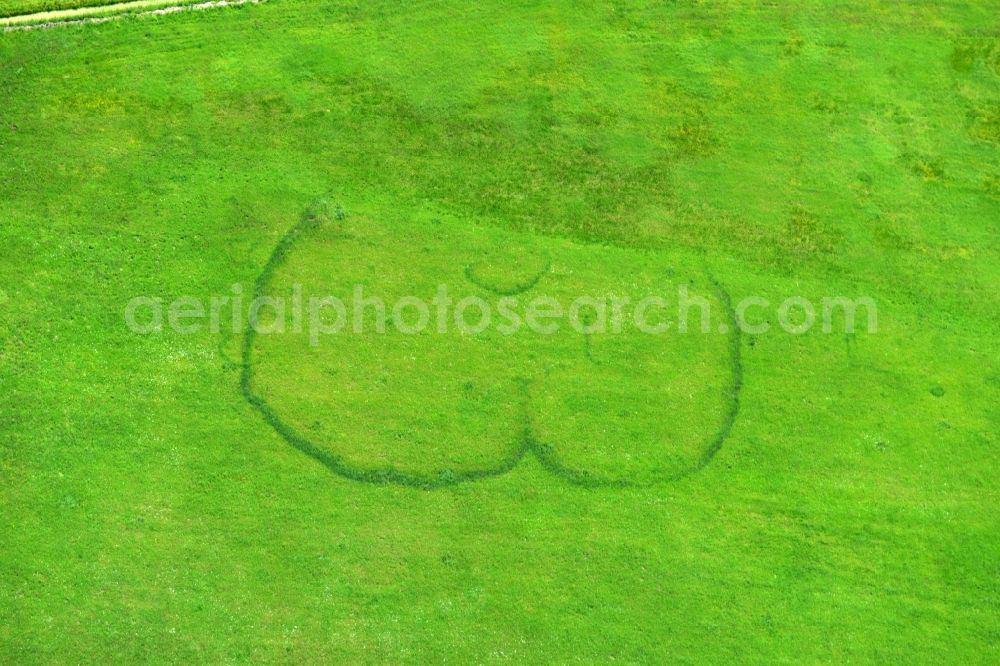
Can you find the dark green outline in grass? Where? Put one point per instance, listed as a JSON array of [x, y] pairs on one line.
[[544, 453]]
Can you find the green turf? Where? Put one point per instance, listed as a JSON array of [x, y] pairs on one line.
[[16, 7], [163, 503], [602, 407], [23, 12]]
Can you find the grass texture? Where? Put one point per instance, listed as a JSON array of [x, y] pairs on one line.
[[17, 7], [241, 498]]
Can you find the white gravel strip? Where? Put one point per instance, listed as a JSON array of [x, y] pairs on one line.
[[84, 15]]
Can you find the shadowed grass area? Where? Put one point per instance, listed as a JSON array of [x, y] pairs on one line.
[[156, 512]]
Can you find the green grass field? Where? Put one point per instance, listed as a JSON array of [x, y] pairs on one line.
[[16, 7], [37, 12], [479, 498]]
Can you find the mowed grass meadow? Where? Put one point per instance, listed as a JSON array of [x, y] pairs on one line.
[[18, 7], [221, 497]]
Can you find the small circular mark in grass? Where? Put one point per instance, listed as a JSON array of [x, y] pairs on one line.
[[937, 391]]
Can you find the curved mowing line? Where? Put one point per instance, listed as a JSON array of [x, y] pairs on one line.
[[515, 290], [544, 453], [311, 219], [549, 459]]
